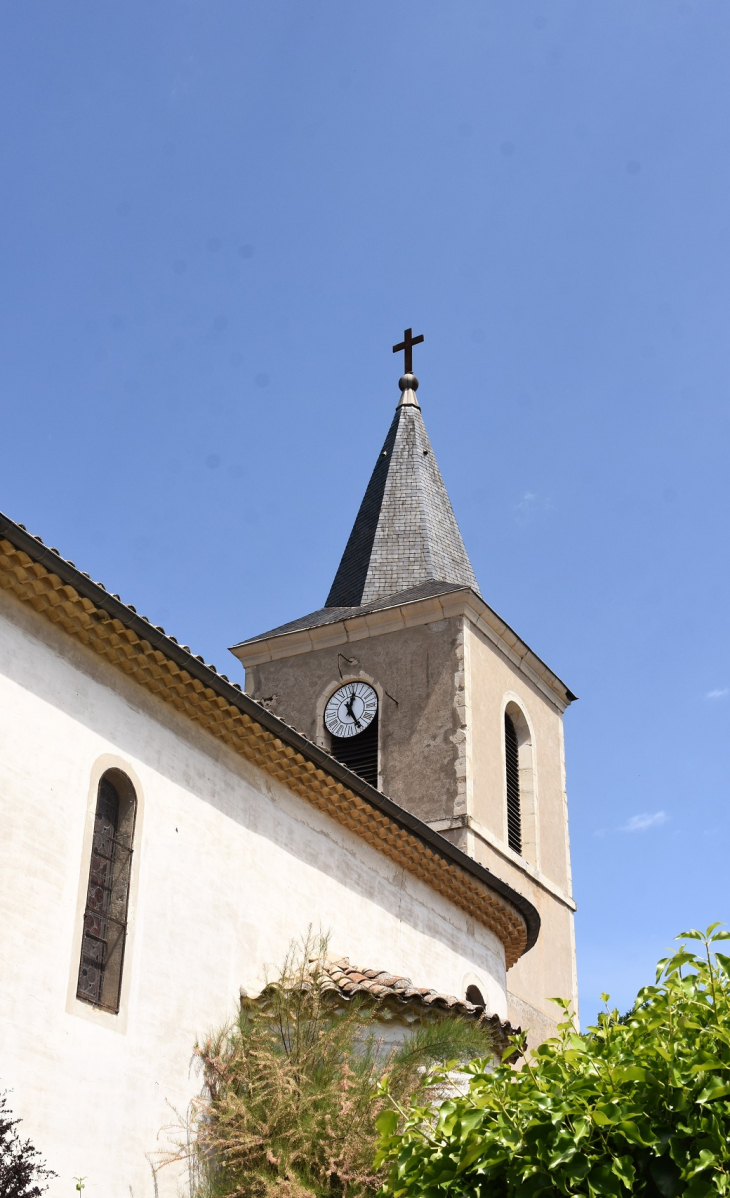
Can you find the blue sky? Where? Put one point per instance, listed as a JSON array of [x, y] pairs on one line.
[[218, 216]]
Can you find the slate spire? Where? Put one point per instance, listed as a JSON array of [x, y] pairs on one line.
[[405, 532]]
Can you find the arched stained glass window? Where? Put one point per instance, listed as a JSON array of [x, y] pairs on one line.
[[107, 898]]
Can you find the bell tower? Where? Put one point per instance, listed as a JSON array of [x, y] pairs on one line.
[[408, 677]]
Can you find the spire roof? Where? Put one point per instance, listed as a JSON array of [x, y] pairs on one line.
[[405, 533]]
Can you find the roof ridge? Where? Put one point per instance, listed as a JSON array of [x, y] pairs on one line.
[[427, 515]]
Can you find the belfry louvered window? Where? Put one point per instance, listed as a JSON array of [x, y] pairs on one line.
[[512, 759], [360, 753], [107, 898]]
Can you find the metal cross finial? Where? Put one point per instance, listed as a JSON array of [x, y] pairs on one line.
[[407, 346]]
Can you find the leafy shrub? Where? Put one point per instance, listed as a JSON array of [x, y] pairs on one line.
[[639, 1104], [22, 1172], [289, 1103]]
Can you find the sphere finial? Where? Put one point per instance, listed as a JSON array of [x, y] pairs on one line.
[[408, 382]]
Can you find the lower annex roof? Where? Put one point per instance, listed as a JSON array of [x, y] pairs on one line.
[[393, 993]]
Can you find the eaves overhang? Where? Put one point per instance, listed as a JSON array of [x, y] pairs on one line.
[[54, 587], [343, 629]]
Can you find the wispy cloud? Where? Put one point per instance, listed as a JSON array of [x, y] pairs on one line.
[[640, 823], [523, 509], [719, 693], [530, 506]]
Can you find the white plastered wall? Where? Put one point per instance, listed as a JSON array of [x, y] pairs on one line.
[[228, 868]]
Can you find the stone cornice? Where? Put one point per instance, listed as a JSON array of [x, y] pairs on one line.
[[54, 587], [506, 853], [464, 603]]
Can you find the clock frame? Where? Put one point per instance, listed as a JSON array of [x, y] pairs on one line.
[[350, 709]]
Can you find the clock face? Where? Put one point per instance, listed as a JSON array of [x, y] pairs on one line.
[[350, 709]]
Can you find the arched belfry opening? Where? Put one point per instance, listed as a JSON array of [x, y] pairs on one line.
[[359, 754], [514, 796], [521, 832], [352, 720]]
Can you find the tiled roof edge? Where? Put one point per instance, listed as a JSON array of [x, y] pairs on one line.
[[347, 982], [97, 594]]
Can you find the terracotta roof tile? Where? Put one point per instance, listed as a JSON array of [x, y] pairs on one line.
[[33, 572], [347, 980]]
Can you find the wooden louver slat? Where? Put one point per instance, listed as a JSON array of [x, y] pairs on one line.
[[514, 815], [359, 753]]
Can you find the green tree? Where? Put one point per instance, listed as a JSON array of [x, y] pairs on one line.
[[639, 1104], [289, 1103], [22, 1172]]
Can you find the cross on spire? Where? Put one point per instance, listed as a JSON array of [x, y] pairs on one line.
[[407, 346]]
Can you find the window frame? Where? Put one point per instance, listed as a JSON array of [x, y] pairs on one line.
[[106, 910], [113, 1019], [513, 707]]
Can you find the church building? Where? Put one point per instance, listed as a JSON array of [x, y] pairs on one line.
[[391, 772]]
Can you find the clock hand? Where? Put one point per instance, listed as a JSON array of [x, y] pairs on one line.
[[350, 712]]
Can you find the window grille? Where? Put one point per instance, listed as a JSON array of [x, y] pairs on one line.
[[359, 753], [514, 815], [105, 916]]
